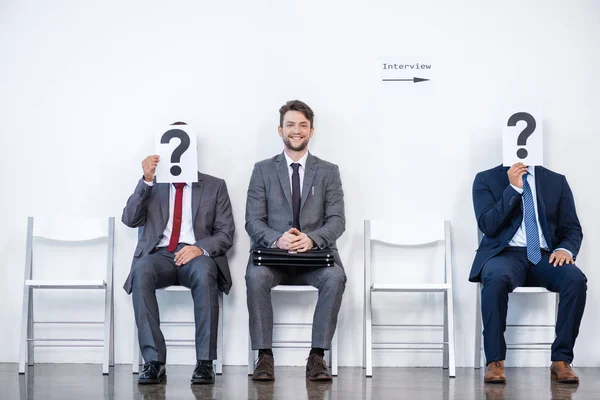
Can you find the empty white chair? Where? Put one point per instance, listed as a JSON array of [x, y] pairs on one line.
[[137, 357], [64, 232], [404, 235], [294, 290]]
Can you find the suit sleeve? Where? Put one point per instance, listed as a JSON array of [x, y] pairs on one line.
[[492, 215], [568, 228], [334, 218], [256, 211], [221, 239], [136, 209]]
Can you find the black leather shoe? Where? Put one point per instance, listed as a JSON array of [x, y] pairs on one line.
[[203, 373], [154, 372]]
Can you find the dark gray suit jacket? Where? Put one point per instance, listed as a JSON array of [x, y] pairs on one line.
[[148, 206], [269, 203]]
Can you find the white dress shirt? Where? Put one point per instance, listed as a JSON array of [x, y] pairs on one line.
[[520, 238], [186, 234], [302, 163]]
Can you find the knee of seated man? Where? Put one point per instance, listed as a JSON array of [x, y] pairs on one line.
[[143, 272], [334, 277], [258, 276], [574, 276], [497, 279], [203, 270]]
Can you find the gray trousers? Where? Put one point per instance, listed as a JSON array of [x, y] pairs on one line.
[[157, 270], [331, 282]]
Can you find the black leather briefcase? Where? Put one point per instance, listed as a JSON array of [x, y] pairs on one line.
[[279, 257]]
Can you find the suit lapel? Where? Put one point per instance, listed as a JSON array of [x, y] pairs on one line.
[[197, 188], [309, 176], [284, 178], [163, 193], [540, 186]]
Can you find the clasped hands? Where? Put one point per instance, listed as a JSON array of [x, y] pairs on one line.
[[294, 240]]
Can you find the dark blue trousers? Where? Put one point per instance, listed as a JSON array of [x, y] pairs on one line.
[[510, 269]]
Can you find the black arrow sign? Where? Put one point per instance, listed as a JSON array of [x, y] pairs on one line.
[[413, 80]]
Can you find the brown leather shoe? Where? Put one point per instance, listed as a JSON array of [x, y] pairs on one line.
[[562, 372], [264, 370], [316, 369], [495, 372]]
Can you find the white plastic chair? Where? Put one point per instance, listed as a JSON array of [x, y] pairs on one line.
[[218, 363], [68, 231], [510, 346], [409, 235], [333, 352]]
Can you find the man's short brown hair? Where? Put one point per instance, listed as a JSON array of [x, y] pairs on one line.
[[296, 105]]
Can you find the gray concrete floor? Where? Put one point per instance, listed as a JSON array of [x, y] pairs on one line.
[[86, 382]]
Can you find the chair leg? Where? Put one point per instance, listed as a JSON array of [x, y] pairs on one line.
[[369, 335], [107, 330], [446, 344], [450, 329], [333, 353], [219, 361], [24, 329], [136, 351], [478, 331], [250, 356], [30, 353]]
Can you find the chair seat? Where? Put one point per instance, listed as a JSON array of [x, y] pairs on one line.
[[294, 288], [531, 290], [176, 288], [424, 287], [66, 284]]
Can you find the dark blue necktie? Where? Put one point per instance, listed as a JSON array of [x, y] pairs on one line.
[[534, 254], [296, 195]]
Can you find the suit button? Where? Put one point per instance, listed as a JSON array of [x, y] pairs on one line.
[[290, 223]]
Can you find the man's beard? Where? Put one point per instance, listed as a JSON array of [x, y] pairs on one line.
[[290, 146]]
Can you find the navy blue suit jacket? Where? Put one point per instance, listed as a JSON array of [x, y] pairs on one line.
[[499, 213]]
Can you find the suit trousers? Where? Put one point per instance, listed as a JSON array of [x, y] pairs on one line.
[[331, 282], [158, 270], [510, 269]]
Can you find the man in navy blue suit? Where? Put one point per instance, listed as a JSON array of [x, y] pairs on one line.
[[531, 238]]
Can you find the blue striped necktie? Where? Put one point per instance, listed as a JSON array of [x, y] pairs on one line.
[[534, 254]]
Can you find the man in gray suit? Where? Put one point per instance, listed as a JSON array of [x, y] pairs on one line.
[[295, 202], [187, 230]]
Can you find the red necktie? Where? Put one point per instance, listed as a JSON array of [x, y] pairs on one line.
[[177, 210]]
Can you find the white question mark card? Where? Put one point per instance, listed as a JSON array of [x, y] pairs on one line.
[[178, 152], [522, 139]]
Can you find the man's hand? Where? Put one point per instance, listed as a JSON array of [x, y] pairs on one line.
[[515, 174], [303, 244], [286, 240], [149, 167], [560, 257], [187, 254]]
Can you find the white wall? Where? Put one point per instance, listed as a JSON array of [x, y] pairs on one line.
[[85, 86]]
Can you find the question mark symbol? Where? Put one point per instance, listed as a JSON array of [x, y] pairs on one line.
[[524, 135], [179, 150]]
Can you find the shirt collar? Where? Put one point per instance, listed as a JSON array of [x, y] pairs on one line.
[[301, 161], [531, 170], [186, 184]]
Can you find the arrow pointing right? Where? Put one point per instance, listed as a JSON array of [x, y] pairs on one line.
[[413, 80]]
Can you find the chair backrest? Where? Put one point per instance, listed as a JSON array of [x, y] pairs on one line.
[[69, 230], [407, 234]]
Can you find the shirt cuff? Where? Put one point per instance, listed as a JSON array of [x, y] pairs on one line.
[[518, 189], [148, 183], [563, 249], [204, 252]]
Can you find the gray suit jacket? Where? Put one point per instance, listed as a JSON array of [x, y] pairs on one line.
[[148, 206], [269, 203]]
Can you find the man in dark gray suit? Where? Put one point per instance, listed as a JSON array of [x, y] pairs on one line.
[[295, 202], [187, 230]]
